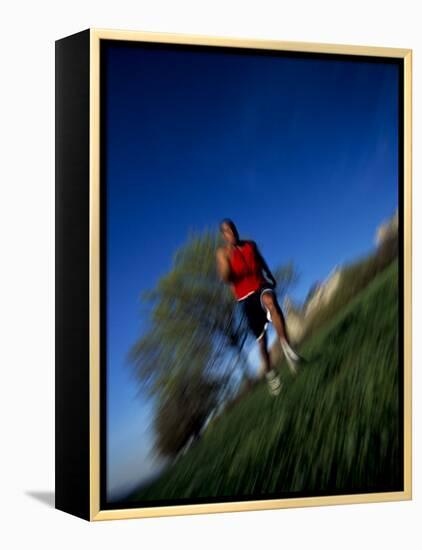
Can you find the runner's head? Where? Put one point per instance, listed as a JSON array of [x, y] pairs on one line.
[[229, 231]]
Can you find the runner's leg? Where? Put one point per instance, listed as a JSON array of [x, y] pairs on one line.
[[273, 380], [270, 302], [264, 352]]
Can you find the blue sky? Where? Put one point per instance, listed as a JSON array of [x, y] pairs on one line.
[[300, 153]]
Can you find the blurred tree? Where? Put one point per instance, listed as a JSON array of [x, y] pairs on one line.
[[194, 322], [183, 412]]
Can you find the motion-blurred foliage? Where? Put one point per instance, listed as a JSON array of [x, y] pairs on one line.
[[183, 412]]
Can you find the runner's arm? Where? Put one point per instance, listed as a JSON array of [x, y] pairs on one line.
[[223, 266], [265, 268]]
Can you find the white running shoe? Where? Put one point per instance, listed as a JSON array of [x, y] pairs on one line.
[[289, 351], [291, 356], [274, 383]]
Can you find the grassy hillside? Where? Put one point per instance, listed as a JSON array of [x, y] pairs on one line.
[[355, 277], [334, 428]]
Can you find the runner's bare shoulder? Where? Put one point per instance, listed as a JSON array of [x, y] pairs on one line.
[[222, 252]]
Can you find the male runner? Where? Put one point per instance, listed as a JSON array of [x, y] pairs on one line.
[[240, 264]]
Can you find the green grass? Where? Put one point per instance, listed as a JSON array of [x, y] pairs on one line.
[[355, 277], [334, 428]]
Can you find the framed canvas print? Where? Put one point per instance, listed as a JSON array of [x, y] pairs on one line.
[[233, 274]]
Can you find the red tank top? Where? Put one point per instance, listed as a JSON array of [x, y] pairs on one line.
[[246, 270]]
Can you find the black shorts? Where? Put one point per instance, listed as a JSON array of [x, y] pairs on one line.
[[256, 314]]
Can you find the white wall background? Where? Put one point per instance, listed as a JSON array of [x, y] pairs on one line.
[[27, 37]]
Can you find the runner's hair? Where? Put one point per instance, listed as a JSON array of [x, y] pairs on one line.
[[232, 226]]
